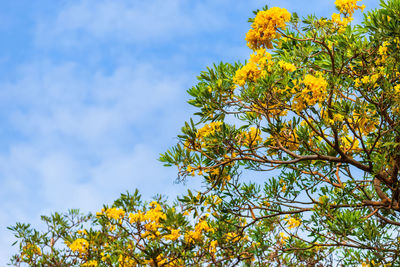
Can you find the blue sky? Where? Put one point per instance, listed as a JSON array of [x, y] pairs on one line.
[[91, 92]]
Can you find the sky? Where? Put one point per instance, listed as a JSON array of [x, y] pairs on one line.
[[92, 91]]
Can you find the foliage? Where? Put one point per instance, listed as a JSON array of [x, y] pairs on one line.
[[317, 114]]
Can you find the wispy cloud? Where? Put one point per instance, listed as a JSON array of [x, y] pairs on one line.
[[127, 21], [87, 138]]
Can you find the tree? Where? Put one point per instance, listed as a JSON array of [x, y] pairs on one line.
[[315, 110]]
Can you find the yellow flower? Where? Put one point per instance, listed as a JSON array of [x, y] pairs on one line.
[[397, 88], [323, 199], [365, 79], [35, 249], [349, 144], [80, 245], [136, 217], [155, 214], [232, 237], [208, 129], [174, 235], [292, 222], [90, 263], [357, 82], [265, 25], [315, 89], [252, 137], [114, 213], [348, 7], [197, 234], [254, 69], [287, 66], [383, 48], [284, 188], [213, 246], [283, 237], [341, 22]]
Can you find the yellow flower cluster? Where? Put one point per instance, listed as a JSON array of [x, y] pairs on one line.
[[114, 213], [292, 222], [397, 89], [161, 260], [316, 84], [287, 66], [155, 214], [383, 52], [232, 237], [104, 256], [197, 234], [152, 224], [314, 91], [136, 217], [364, 122], [252, 137], [82, 232], [126, 261], [208, 129], [271, 109], [255, 68], [348, 7], [283, 238], [349, 144], [287, 137], [366, 80], [265, 25], [200, 142], [341, 22], [174, 235], [213, 246], [80, 245], [383, 48], [90, 263]]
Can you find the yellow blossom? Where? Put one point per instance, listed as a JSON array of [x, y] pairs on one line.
[[232, 237], [213, 246], [252, 137], [397, 89], [80, 245], [287, 66], [315, 89], [284, 188], [90, 263], [265, 25], [292, 222], [174, 235], [342, 22], [197, 234], [114, 213], [254, 69], [348, 7], [136, 217], [283, 237], [357, 82], [208, 129]]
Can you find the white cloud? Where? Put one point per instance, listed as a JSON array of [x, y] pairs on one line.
[[58, 101], [127, 21], [87, 137]]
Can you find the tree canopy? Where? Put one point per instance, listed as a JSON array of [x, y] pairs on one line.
[[315, 111]]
